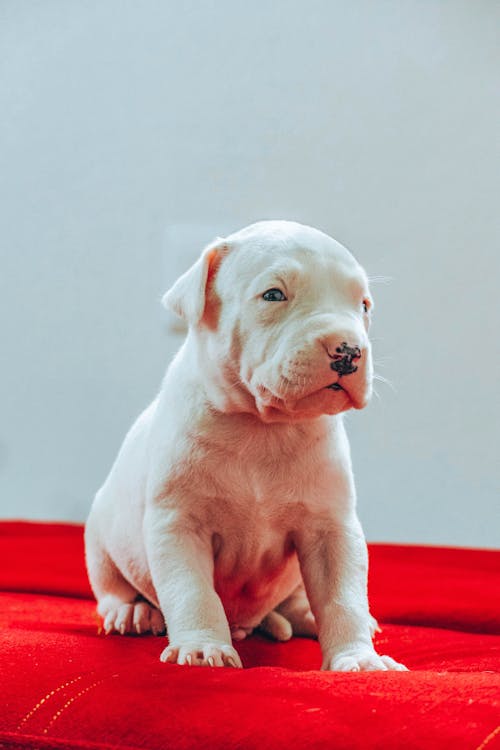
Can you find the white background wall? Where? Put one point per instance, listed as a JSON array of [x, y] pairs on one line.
[[375, 121]]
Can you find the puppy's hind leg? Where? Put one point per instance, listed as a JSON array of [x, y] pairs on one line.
[[292, 617], [297, 610], [122, 608]]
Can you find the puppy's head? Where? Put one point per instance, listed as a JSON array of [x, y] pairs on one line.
[[280, 313]]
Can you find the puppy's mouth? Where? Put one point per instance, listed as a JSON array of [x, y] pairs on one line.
[[309, 404], [271, 397], [335, 387]]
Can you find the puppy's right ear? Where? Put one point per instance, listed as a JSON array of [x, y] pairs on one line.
[[188, 296]]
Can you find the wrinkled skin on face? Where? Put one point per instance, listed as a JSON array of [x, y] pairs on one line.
[[321, 309]]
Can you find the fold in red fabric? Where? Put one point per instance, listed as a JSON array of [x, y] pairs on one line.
[[65, 685]]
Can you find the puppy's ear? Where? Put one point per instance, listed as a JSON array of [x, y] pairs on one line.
[[188, 296]]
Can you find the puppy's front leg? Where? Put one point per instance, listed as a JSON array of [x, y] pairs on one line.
[[334, 562], [181, 564]]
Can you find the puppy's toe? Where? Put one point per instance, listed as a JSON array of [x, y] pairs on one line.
[[276, 626], [169, 655], [239, 634], [345, 664], [109, 621], [190, 655], [230, 657], [147, 619], [157, 622], [213, 656], [391, 663], [124, 618], [141, 620]]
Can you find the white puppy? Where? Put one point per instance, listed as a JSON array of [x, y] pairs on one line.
[[231, 504]]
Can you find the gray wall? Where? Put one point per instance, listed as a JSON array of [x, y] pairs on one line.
[[376, 121]]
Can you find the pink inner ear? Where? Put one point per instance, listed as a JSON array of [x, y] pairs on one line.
[[212, 265], [212, 303]]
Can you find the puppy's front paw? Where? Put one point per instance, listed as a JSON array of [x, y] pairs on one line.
[[361, 660], [202, 655]]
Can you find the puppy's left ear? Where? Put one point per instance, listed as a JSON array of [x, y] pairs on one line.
[[188, 296]]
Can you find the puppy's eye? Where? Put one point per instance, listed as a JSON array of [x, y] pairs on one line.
[[274, 295]]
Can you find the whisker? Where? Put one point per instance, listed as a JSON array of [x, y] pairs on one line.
[[382, 379], [384, 362], [380, 279]]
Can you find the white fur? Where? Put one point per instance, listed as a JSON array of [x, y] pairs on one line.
[[232, 495]]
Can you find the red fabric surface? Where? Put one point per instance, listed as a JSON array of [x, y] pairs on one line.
[[62, 685]]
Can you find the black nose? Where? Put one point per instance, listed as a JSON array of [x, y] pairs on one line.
[[343, 359]]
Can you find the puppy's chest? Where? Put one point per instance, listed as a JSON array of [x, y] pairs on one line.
[[260, 489], [255, 501], [270, 478], [258, 493], [254, 559], [253, 525]]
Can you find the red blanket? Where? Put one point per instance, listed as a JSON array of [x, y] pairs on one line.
[[65, 685]]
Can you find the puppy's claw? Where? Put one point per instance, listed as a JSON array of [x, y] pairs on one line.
[[169, 655]]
